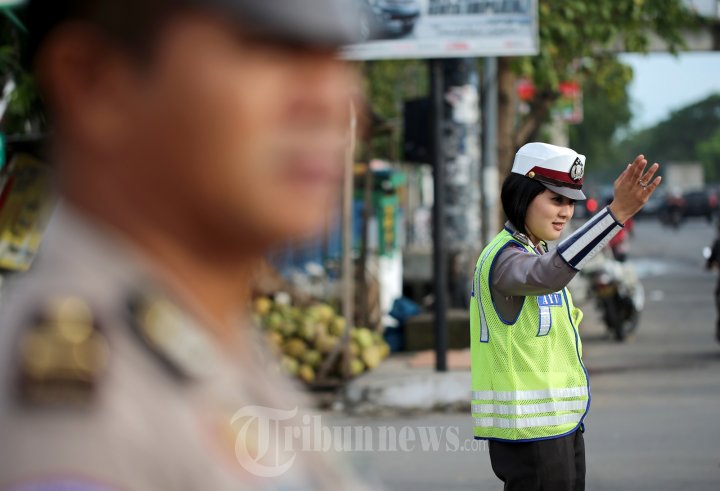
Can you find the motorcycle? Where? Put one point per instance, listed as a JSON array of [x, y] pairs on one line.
[[618, 292], [673, 210]]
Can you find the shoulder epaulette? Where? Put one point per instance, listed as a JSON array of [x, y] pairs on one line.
[[61, 354], [172, 336]]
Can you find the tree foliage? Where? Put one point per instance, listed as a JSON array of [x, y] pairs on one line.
[[606, 114], [690, 134], [24, 112], [708, 151], [579, 41], [388, 84]]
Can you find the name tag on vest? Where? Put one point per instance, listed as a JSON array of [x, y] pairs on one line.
[[551, 300], [545, 302]]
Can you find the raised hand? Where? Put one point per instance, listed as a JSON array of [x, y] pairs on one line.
[[633, 188]]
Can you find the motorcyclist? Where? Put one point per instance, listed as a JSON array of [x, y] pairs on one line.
[[713, 262]]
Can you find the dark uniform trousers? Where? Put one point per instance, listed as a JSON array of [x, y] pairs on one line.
[[545, 465]]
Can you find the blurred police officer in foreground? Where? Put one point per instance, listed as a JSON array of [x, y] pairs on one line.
[[189, 137]]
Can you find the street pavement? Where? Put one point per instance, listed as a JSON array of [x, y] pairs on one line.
[[655, 417]]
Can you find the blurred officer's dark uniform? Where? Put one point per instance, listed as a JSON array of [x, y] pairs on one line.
[[183, 153]]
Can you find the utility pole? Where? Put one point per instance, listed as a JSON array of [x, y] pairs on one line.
[[455, 113], [489, 149], [437, 110]]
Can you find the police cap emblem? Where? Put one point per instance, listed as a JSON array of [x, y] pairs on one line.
[[577, 171]]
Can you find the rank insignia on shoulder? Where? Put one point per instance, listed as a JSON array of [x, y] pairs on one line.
[[171, 335], [62, 355]]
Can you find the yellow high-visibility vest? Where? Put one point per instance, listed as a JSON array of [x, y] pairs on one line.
[[528, 378]]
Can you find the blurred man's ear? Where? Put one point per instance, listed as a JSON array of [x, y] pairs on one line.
[[84, 78]]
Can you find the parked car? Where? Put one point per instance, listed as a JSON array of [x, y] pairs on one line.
[[383, 19]]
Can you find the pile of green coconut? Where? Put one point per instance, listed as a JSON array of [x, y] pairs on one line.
[[304, 337]]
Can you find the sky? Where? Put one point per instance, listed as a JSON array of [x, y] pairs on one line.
[[663, 83]]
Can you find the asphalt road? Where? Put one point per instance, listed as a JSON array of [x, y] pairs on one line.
[[655, 417]]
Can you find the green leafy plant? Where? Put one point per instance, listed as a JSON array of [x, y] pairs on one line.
[[24, 112], [579, 40]]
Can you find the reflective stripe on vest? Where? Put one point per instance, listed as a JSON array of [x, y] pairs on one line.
[[507, 423], [528, 395], [522, 409]]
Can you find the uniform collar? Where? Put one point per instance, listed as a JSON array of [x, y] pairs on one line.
[[74, 241], [524, 239], [77, 241]]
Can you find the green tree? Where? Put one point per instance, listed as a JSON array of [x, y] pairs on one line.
[[24, 112], [578, 41], [676, 138], [709, 153], [605, 115], [690, 134], [388, 84]]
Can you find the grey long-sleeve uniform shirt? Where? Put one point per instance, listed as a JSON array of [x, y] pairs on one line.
[[517, 273]]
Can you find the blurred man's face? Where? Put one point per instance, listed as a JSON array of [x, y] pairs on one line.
[[242, 136]]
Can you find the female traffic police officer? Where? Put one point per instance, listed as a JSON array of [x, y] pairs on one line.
[[530, 387]]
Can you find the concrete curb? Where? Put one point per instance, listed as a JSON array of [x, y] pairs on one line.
[[412, 392]]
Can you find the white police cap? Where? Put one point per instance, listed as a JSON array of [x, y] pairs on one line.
[[559, 169]]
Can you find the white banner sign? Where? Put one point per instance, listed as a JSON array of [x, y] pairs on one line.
[[446, 29]]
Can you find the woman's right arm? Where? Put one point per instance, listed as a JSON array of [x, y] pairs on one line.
[[519, 273]]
